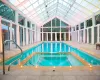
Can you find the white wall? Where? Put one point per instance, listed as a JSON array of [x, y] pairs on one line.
[[74, 36], [37, 35]]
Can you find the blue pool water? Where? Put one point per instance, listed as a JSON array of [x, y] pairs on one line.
[[51, 56]]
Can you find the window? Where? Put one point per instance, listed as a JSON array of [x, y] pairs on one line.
[[82, 25], [97, 17], [89, 22]]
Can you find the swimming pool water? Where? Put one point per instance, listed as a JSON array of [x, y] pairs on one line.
[[52, 58]]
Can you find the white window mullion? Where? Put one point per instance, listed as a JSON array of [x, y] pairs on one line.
[[51, 30], [87, 35], [60, 30], [47, 36], [64, 36], [98, 33], [42, 33]]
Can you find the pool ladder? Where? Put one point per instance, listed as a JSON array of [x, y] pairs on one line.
[[4, 55]]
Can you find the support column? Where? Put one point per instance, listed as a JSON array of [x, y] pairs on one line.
[[84, 35], [42, 33], [51, 30], [60, 30], [0, 35], [17, 35], [47, 36], [27, 36], [17, 29], [87, 35], [98, 32], [64, 36], [92, 32], [69, 33], [35, 35], [16, 17], [55, 36], [79, 33], [23, 37], [10, 30], [11, 46], [31, 33], [32, 36]]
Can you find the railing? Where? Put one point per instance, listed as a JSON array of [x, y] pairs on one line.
[[4, 54]]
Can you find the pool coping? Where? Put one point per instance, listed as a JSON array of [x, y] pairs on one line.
[[82, 49], [53, 68], [84, 62]]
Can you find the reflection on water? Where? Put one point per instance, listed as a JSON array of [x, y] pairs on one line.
[[52, 47]]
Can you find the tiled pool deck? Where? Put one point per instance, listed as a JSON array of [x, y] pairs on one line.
[[89, 48], [50, 75]]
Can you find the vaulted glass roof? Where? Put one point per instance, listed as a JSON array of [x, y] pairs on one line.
[[73, 11]]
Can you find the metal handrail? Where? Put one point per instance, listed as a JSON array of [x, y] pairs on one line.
[[18, 47]]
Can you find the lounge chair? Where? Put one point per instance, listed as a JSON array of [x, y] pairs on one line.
[[98, 46]]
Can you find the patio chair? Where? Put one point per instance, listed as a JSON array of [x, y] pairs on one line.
[[98, 46]]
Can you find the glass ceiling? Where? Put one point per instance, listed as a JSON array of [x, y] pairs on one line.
[[73, 11]]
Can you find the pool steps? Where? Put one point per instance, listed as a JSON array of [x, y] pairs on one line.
[[75, 55], [80, 59], [26, 59]]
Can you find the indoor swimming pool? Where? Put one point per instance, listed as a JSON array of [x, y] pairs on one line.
[[54, 54]]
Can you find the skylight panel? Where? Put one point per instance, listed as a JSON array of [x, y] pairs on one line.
[[15, 2], [49, 1], [21, 8], [61, 1], [42, 6], [27, 4], [64, 3], [87, 11], [30, 14], [34, 15], [63, 7], [96, 2], [50, 4], [60, 9], [32, 1], [41, 1], [90, 0], [20, 0], [51, 7], [81, 13], [89, 6], [30, 8], [39, 12], [76, 6], [25, 11], [93, 8], [78, 1], [43, 9], [35, 4], [84, 3], [69, 1], [38, 9], [52, 10], [73, 9]]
